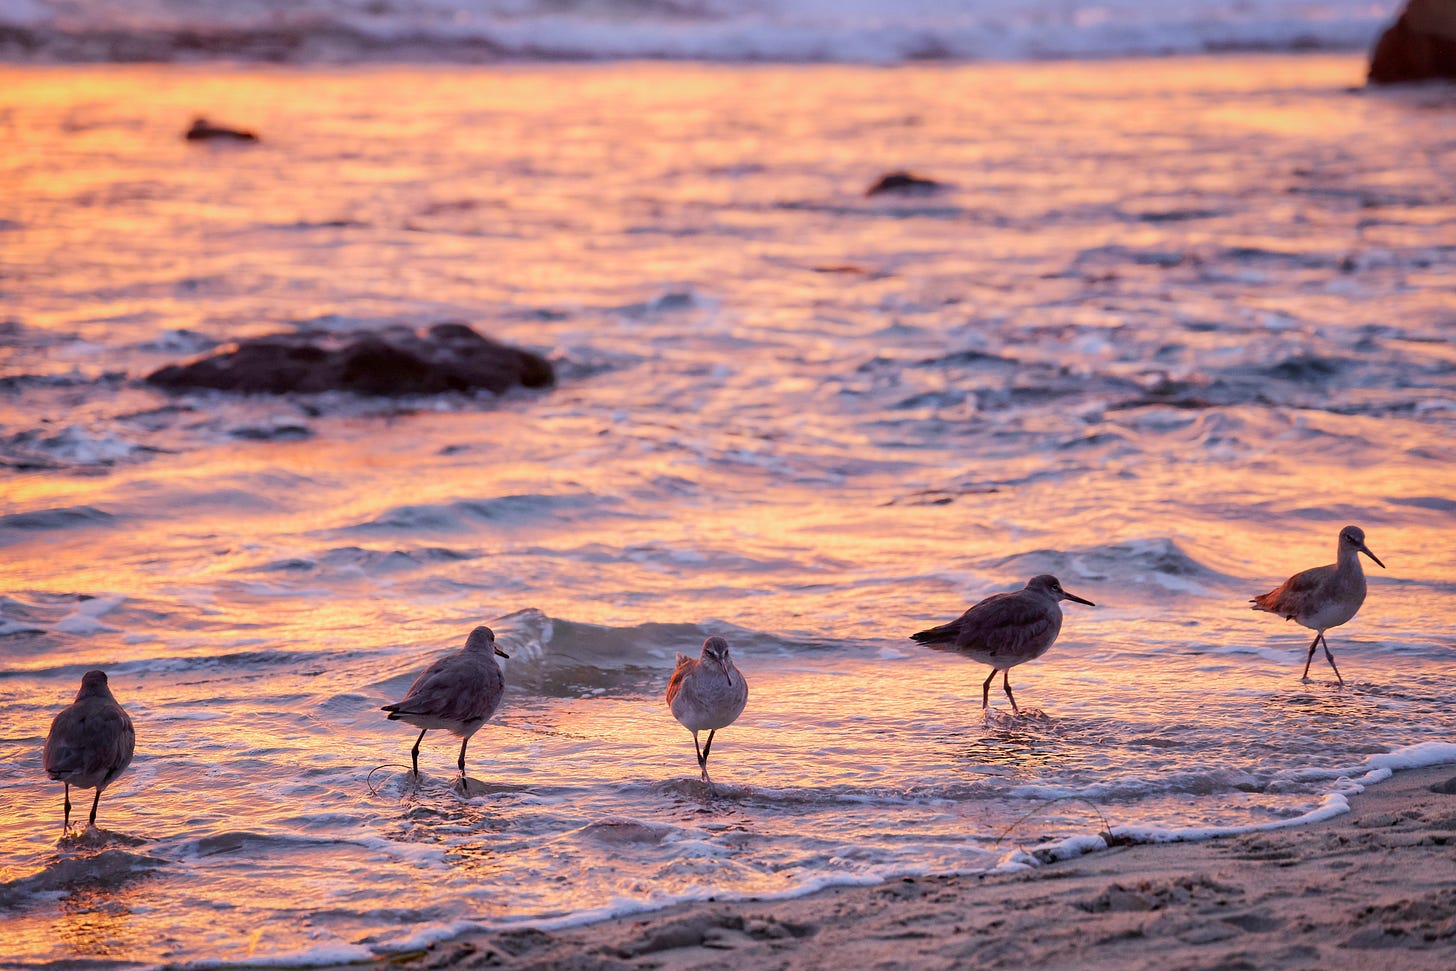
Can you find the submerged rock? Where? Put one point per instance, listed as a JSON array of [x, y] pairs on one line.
[[203, 130], [1419, 46], [905, 183], [395, 361]]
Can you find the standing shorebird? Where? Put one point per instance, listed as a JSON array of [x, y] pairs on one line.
[[457, 693], [1324, 596], [91, 742], [705, 694], [1005, 629]]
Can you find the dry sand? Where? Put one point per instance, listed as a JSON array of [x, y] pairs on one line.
[[1374, 888]]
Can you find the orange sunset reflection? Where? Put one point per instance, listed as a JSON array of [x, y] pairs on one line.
[[1156, 327]]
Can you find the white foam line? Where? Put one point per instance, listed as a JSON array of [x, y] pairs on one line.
[[1349, 781]]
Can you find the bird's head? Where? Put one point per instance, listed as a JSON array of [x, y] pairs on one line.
[[1052, 587], [1353, 538], [483, 639], [93, 683], [715, 649], [715, 653]]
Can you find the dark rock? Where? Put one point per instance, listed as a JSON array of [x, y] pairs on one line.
[[1419, 46], [395, 361], [203, 130], [904, 183]]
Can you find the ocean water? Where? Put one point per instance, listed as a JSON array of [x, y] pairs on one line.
[[1169, 326], [859, 31]]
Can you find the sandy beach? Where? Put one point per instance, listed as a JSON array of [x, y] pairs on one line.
[[1373, 888]]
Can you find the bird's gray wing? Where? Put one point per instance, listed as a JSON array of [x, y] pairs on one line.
[[428, 677], [944, 636], [1291, 592], [89, 738], [452, 687], [1005, 626]]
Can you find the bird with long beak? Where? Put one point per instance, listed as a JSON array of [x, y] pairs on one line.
[[1004, 630], [1324, 596], [458, 693], [705, 694]]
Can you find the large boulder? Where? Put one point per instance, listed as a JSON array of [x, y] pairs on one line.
[[1420, 46], [394, 361]]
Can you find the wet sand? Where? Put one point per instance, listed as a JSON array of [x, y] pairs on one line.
[[1374, 888]]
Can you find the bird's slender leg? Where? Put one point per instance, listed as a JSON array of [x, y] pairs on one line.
[[94, 803], [415, 752], [66, 824], [1310, 656], [463, 742], [707, 747], [703, 755], [1330, 657], [1006, 683], [986, 690]]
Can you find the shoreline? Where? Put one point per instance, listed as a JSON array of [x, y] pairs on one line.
[[1373, 887]]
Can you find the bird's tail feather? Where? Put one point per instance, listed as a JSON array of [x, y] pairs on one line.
[[950, 647]]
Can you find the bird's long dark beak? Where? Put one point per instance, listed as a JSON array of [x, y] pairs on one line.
[[1073, 596], [500, 652], [1366, 550], [728, 676]]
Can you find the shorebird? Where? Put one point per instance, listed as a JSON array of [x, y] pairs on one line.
[[457, 693], [1004, 630], [1324, 596], [705, 694], [90, 743]]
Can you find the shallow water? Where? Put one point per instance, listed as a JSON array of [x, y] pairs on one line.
[[1171, 325]]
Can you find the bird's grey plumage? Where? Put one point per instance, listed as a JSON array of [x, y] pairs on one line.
[[1324, 596], [457, 693], [1005, 629], [91, 742], [705, 694]]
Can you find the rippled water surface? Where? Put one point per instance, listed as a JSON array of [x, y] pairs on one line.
[[1167, 328]]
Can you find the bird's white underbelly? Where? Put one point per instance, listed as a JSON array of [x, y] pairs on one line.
[[710, 708], [1004, 659], [453, 725], [1330, 614]]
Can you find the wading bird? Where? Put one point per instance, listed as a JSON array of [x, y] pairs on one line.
[[1004, 630], [90, 743], [458, 693], [705, 694], [1324, 596]]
